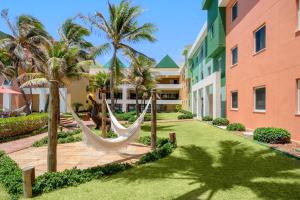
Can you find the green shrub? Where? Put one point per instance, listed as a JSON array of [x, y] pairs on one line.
[[125, 116], [111, 134], [73, 177], [147, 118], [207, 118], [77, 106], [220, 121], [272, 135], [236, 127], [161, 152], [185, 112], [178, 107], [62, 138], [14, 126], [10, 175], [146, 140], [185, 116]]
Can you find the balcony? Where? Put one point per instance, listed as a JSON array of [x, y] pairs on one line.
[[168, 86]]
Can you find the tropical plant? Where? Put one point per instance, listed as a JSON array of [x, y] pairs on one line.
[[122, 29], [59, 63], [6, 70], [99, 81], [21, 43], [140, 76]]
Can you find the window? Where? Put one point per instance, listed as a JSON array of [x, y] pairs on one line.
[[298, 81], [209, 70], [7, 82], [260, 99], [202, 75], [212, 31], [234, 11], [234, 100], [234, 56], [260, 39]]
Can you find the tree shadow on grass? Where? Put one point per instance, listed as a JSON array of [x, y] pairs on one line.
[[160, 127], [265, 172]]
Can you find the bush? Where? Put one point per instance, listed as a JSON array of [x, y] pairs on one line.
[[185, 112], [125, 116], [62, 138], [272, 135], [10, 175], [178, 107], [207, 118], [147, 118], [185, 116], [220, 121], [236, 127], [146, 140], [77, 106], [73, 177], [14, 126]]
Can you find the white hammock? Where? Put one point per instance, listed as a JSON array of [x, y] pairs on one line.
[[102, 144], [119, 129]]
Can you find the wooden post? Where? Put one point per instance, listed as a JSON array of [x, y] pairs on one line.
[[172, 137], [103, 117], [153, 119], [28, 180]]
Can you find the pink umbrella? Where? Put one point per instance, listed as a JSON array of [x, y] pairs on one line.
[[4, 90]]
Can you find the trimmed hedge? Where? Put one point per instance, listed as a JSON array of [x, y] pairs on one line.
[[272, 135], [236, 127], [10, 176], [125, 116], [62, 138], [14, 126], [185, 116], [220, 121], [207, 118]]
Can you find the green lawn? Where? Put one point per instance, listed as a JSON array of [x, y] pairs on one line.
[[167, 116], [208, 164]]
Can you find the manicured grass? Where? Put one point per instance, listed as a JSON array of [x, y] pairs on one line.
[[209, 163], [167, 116]]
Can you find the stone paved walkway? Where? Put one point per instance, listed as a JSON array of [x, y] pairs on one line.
[[17, 145], [75, 155]]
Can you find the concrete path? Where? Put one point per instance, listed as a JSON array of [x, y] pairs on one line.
[[76, 155], [17, 145]]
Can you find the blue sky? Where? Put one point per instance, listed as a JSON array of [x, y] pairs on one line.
[[178, 21]]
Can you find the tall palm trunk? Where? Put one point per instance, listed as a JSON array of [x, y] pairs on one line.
[[112, 67], [137, 102], [27, 104], [52, 126]]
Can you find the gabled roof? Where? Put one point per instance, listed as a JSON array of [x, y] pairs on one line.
[[108, 64], [167, 62]]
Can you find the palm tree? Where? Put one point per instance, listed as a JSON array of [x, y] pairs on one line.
[[21, 43], [6, 70], [141, 76], [58, 63], [99, 81], [122, 29], [59, 66]]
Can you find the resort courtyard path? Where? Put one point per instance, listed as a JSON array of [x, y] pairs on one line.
[[209, 163], [20, 144]]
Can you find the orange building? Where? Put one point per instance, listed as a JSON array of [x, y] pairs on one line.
[[263, 63]]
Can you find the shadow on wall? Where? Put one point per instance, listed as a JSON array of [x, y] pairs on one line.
[[243, 9], [238, 165]]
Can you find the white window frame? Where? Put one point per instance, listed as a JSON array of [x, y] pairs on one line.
[[235, 4], [235, 91], [254, 36], [254, 91], [298, 92]]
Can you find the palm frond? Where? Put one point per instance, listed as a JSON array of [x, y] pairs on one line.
[[37, 82]]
